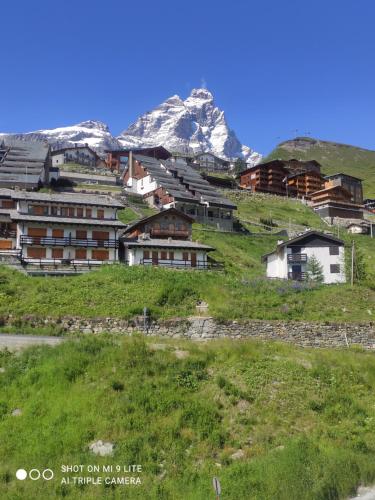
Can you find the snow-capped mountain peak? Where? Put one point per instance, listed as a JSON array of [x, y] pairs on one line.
[[188, 126]]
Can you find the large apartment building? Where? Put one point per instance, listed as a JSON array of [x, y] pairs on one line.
[[60, 228]]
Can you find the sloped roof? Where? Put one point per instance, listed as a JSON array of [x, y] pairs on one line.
[[140, 222], [78, 198], [303, 237]]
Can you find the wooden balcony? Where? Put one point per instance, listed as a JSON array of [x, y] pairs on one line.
[[68, 242], [168, 233], [297, 257]]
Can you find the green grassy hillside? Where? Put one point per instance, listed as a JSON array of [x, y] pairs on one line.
[[303, 419], [333, 157], [239, 292]]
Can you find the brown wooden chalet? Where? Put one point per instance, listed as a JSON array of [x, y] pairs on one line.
[[336, 201], [163, 239]]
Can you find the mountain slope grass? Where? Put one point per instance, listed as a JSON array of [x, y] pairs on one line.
[[239, 292], [333, 157], [303, 419]]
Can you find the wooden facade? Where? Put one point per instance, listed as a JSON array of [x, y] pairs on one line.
[[265, 178], [303, 184]]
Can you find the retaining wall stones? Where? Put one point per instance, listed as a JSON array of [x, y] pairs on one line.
[[307, 334]]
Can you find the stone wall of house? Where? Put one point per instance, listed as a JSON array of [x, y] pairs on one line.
[[306, 334]]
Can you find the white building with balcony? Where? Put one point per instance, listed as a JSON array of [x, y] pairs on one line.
[[290, 259]]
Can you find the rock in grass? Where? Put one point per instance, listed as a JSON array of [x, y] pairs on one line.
[[102, 449], [181, 354], [237, 455], [16, 412]]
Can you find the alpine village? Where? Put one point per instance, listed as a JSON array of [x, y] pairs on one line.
[[208, 313]]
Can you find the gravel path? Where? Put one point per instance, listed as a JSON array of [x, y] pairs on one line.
[[15, 342], [365, 493]]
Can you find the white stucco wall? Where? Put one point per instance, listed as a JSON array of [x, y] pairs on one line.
[[134, 256], [279, 267]]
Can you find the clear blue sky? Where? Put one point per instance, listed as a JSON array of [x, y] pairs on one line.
[[274, 66]]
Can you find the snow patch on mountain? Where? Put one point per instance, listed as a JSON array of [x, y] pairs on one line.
[[188, 126], [92, 132]]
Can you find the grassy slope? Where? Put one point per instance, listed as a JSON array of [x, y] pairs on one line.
[[241, 292], [304, 419], [333, 158]]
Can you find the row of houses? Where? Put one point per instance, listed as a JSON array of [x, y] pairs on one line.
[[44, 230], [331, 196], [79, 229]]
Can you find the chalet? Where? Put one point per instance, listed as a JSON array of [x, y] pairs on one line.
[[335, 201], [164, 239], [118, 160], [348, 182], [60, 228], [303, 184], [82, 155], [359, 227], [24, 164], [267, 177], [290, 259], [210, 162], [166, 184]]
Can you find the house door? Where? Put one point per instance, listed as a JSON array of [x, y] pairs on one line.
[[155, 258], [193, 259], [296, 272]]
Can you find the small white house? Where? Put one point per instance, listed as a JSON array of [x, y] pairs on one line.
[[290, 259]]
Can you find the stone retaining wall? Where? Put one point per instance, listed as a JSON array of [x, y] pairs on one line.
[[307, 334]]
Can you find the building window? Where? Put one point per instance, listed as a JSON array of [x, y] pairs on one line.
[[185, 255], [57, 233], [79, 212], [100, 213], [88, 213], [333, 250], [81, 253], [54, 210], [100, 254], [146, 254], [63, 211], [71, 211], [335, 268], [171, 255], [163, 255], [57, 253], [81, 235]]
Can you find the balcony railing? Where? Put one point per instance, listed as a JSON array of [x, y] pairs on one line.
[[297, 276], [297, 257], [170, 233], [179, 263], [7, 234], [68, 242]]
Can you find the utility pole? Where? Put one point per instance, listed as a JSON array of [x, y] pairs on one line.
[[352, 273]]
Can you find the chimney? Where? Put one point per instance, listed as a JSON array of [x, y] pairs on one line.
[[130, 164]]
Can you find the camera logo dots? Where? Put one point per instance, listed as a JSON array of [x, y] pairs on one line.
[[35, 474], [21, 474]]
